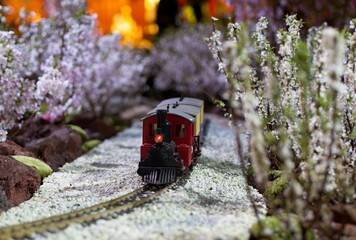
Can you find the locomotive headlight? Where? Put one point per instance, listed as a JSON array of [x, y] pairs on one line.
[[158, 138]]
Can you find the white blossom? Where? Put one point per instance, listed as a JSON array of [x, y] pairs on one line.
[[181, 61], [261, 42], [3, 134], [304, 109], [16, 92], [233, 31], [52, 83], [334, 52]]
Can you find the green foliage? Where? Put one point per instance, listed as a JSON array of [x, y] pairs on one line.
[[271, 225], [298, 107], [219, 103], [273, 174], [310, 235], [79, 14], [353, 134], [280, 227], [277, 188], [118, 123], [90, 144], [273, 228], [43, 169], [250, 172], [81, 131]]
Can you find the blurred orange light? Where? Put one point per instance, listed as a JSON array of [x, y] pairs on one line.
[[124, 24], [133, 19], [35, 6]]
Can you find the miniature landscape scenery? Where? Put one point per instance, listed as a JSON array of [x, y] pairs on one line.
[[278, 139]]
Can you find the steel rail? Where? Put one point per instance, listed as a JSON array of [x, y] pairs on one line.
[[102, 210]]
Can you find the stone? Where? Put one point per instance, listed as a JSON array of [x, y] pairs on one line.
[[4, 201], [135, 113], [18, 182], [54, 144], [90, 144], [81, 131], [9, 148], [96, 128]]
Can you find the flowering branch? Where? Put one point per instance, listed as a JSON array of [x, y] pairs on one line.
[[297, 111]]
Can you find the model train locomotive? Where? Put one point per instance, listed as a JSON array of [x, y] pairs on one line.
[[170, 139]]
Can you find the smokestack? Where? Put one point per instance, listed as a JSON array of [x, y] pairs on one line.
[[161, 119], [163, 126]]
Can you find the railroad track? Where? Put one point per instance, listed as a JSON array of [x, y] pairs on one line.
[[102, 210], [99, 211]]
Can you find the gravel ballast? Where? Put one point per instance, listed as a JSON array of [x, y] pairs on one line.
[[212, 204]]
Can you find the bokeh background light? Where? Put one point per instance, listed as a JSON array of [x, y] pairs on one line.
[[135, 20]]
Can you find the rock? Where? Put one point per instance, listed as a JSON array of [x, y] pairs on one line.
[[88, 145], [18, 182], [96, 128], [4, 201], [11, 148], [135, 113], [54, 144], [81, 131]]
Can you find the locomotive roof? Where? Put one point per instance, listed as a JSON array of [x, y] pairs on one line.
[[174, 112], [187, 108], [182, 101]]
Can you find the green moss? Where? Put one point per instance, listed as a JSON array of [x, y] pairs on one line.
[[285, 226], [273, 174], [310, 235], [43, 169], [250, 172], [277, 188], [353, 134], [117, 122], [268, 228], [90, 144], [120, 128], [81, 131], [270, 138]]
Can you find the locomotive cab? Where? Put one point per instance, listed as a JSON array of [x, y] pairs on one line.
[[170, 140]]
